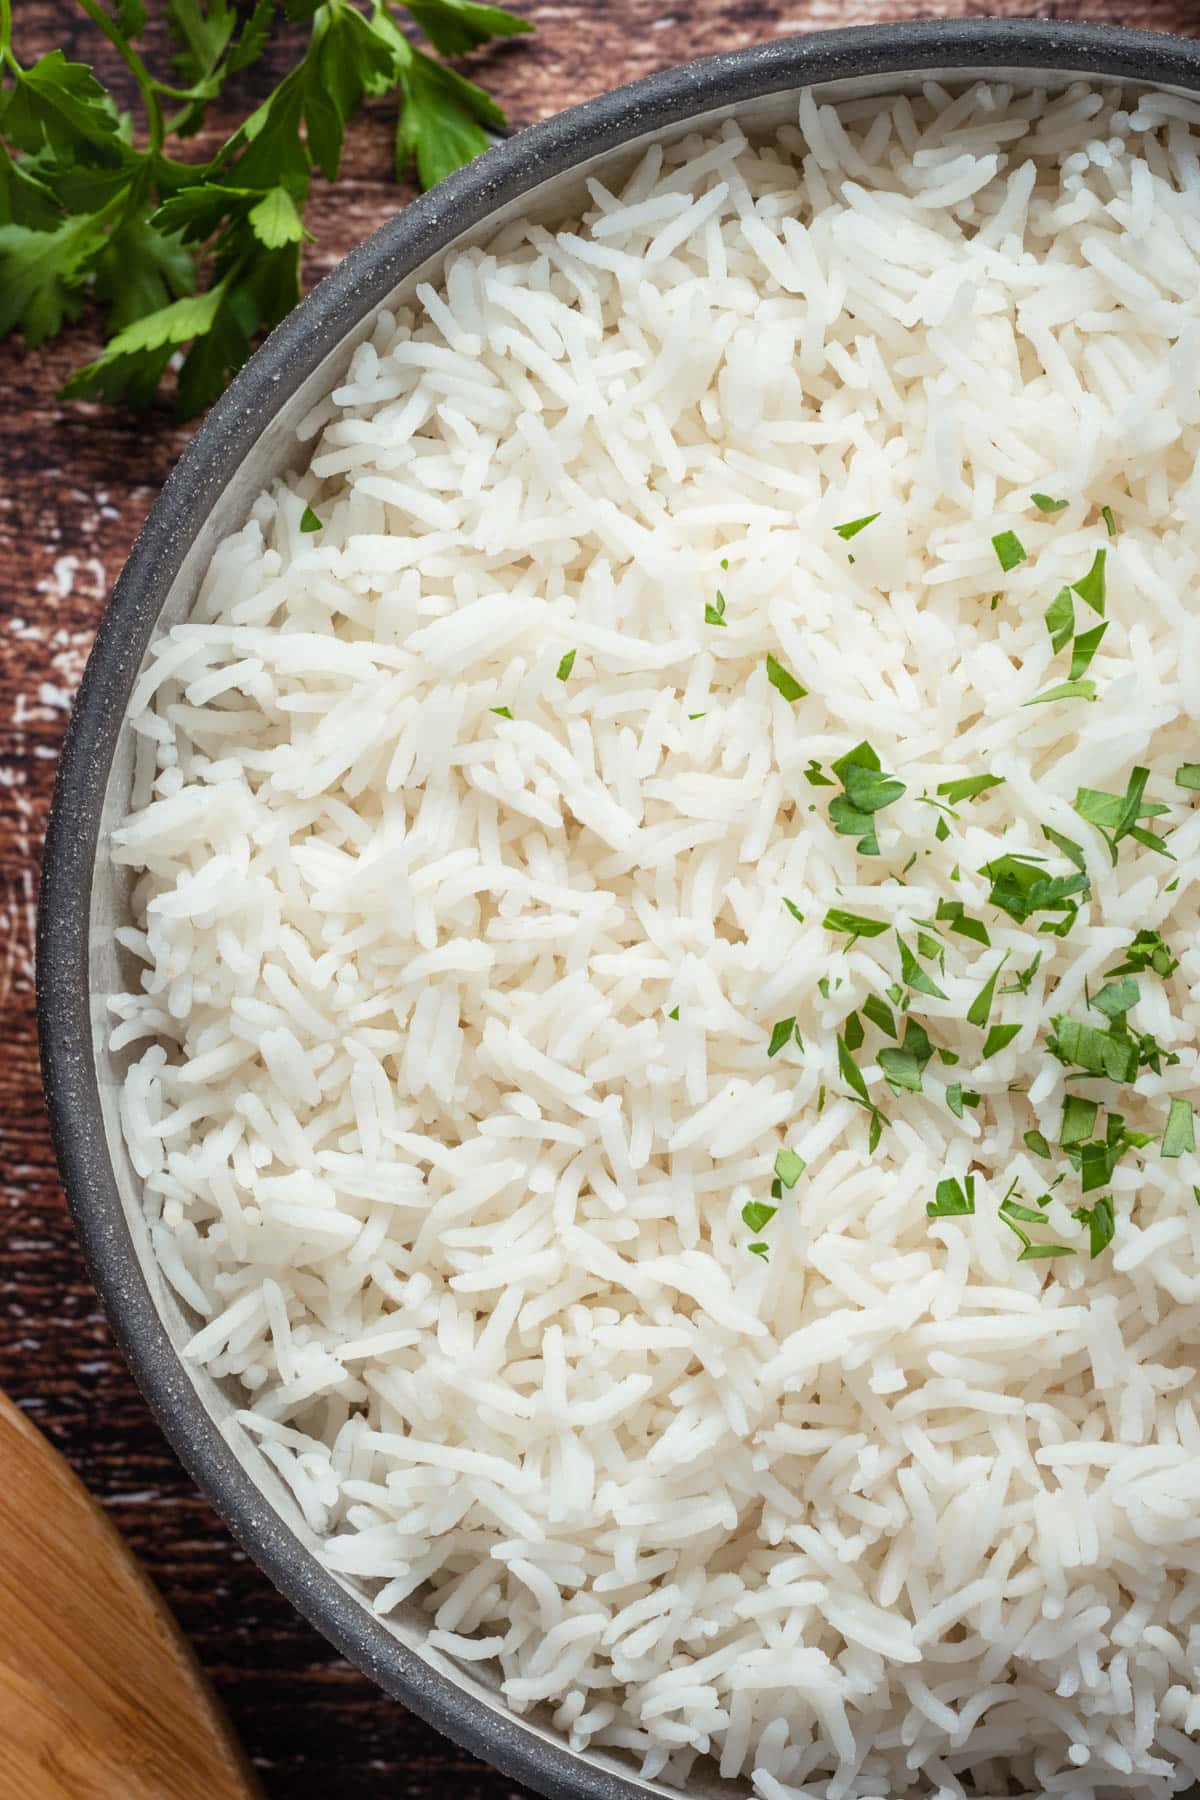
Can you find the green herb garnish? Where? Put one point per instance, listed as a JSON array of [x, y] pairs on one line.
[[1116, 815], [501, 712], [782, 1032], [914, 976], [1060, 619], [997, 1039], [1180, 1135], [1045, 504], [788, 1167], [968, 786], [1110, 524], [868, 789], [1092, 587], [714, 614], [904, 1065], [1100, 1223], [96, 207], [309, 520], [955, 1199], [1033, 1140], [1149, 950], [815, 776], [794, 910], [783, 681], [880, 1014], [855, 924], [563, 671], [1187, 775], [1084, 648], [1009, 550], [1020, 887], [1065, 690], [852, 529], [757, 1214]]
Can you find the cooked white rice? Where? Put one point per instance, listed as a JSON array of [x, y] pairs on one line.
[[459, 1200]]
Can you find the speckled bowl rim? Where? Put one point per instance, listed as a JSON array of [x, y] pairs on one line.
[[293, 351]]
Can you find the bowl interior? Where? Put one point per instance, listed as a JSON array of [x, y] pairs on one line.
[[217, 492]]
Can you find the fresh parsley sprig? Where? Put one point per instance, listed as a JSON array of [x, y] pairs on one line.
[[197, 259]]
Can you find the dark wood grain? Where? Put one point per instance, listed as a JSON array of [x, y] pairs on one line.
[[75, 484]]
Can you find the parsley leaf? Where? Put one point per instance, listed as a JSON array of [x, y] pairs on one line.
[[1092, 587], [868, 789], [1187, 775], [309, 520], [86, 211], [1179, 1137], [904, 1065], [955, 1199], [757, 1214], [1065, 690], [1116, 815], [781, 1033], [1020, 887], [566, 664], [714, 614], [968, 786], [855, 924], [1084, 648], [997, 1038], [1009, 550], [980, 1008], [1045, 504], [1060, 619], [852, 529], [783, 680], [1148, 950], [914, 976], [788, 1167]]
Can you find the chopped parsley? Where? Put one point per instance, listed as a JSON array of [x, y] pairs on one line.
[[980, 1008], [1084, 648], [502, 712], [815, 776], [959, 920], [1100, 1223], [1065, 690], [757, 1214], [1020, 982], [783, 681], [698, 715], [1009, 550], [1021, 887], [1092, 587], [310, 522], [854, 526], [674, 1013], [954, 1199], [968, 786], [855, 924], [714, 614], [868, 789], [904, 1065], [914, 976], [1045, 504], [997, 1039], [760, 1249], [853, 1032], [1033, 1140], [1110, 523], [563, 671], [1060, 619], [880, 1014], [782, 1032], [1148, 950], [788, 1167], [1179, 1136], [957, 1097], [1115, 815], [794, 910], [1187, 775]]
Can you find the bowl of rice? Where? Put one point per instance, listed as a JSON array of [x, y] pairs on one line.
[[619, 970]]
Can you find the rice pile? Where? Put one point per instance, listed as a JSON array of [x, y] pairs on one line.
[[451, 1078]]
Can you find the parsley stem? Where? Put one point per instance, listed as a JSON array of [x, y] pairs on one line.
[[135, 65]]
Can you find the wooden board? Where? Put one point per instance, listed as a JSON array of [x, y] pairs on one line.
[[100, 1696], [75, 483]]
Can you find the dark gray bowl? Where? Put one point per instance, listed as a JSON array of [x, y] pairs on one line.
[[246, 441]]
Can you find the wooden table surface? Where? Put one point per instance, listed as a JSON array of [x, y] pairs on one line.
[[76, 481]]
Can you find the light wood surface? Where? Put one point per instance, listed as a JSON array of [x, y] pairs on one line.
[[100, 1698]]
